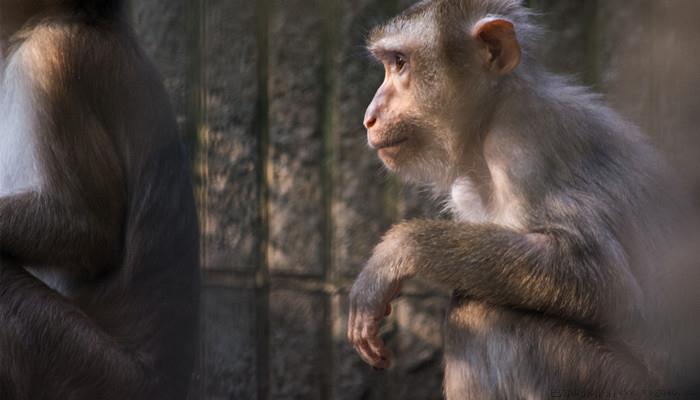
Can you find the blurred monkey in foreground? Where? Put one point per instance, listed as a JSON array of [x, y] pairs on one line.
[[563, 214], [98, 231]]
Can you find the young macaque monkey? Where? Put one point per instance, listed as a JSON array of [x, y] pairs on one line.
[[560, 213], [98, 230]]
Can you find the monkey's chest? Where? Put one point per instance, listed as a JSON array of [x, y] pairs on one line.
[[19, 162], [466, 203]]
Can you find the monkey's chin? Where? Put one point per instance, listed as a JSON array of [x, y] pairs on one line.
[[390, 157]]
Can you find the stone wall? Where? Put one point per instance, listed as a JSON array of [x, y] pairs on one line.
[[270, 96]]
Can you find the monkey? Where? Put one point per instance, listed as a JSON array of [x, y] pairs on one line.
[[99, 243], [562, 212]]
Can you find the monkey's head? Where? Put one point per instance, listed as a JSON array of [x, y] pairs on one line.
[[15, 13], [443, 62]]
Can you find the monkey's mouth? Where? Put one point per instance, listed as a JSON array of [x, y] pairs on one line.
[[388, 144]]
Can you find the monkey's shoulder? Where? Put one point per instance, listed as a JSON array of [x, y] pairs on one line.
[[68, 47]]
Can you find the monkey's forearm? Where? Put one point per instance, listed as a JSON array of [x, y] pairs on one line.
[[39, 325], [550, 273], [37, 229]]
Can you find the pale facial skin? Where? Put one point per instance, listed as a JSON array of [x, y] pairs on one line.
[[392, 101]]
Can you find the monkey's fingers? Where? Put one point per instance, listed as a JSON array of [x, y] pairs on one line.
[[379, 350], [355, 329], [363, 349], [370, 356], [370, 343]]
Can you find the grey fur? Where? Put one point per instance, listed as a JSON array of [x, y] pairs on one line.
[[565, 289]]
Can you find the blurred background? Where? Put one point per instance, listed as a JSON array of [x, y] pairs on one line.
[[270, 96]]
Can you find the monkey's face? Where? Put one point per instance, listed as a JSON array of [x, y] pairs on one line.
[[401, 127], [437, 89], [389, 131]]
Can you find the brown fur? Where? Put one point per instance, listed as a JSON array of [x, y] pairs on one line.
[[99, 264]]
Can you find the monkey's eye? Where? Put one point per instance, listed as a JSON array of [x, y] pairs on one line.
[[399, 62]]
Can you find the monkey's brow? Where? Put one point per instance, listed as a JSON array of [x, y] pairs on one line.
[[389, 45], [383, 52]]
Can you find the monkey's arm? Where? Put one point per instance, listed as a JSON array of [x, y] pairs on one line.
[[39, 229], [557, 271], [31, 313], [560, 272]]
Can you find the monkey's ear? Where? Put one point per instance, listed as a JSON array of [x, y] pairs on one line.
[[499, 47]]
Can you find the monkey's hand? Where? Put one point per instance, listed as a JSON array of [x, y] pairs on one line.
[[370, 301]]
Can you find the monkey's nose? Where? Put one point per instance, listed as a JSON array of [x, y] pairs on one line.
[[370, 121]]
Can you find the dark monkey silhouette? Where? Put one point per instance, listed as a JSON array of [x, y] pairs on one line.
[[98, 231]]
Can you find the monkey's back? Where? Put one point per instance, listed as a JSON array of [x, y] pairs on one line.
[[581, 166]]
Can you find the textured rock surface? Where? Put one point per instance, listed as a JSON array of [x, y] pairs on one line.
[[229, 135], [569, 36], [163, 27], [676, 84], [359, 184], [624, 58], [297, 346], [228, 344], [296, 89], [649, 54]]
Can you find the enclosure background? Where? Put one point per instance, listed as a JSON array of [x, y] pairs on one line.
[[270, 97]]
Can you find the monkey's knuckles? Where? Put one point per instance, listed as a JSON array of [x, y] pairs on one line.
[[366, 341], [363, 329]]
